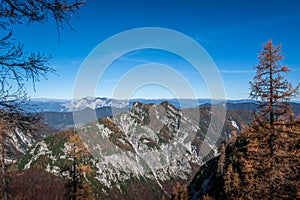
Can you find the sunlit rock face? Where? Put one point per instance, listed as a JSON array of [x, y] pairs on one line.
[[154, 143]]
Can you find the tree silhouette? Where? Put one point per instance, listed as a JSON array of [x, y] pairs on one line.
[[17, 67]]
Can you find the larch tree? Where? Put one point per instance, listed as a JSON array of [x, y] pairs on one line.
[[263, 162], [270, 86], [265, 156], [78, 167], [180, 192], [273, 91], [222, 159], [18, 67]]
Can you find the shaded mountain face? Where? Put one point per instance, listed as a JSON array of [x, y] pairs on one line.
[[18, 142], [65, 120], [151, 146]]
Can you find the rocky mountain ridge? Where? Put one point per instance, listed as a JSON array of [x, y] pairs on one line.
[[154, 143], [18, 141]]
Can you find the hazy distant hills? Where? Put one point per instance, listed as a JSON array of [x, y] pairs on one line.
[[62, 105], [59, 113], [65, 120]]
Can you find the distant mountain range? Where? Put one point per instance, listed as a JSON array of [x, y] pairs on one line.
[[64, 105], [58, 114]]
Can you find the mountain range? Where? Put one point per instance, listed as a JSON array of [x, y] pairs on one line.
[[68, 105], [150, 145], [62, 120]]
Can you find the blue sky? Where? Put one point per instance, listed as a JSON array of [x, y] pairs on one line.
[[232, 32]]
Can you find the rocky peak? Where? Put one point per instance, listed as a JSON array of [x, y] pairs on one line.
[[155, 142]]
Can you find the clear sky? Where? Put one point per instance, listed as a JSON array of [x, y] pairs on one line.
[[231, 31]]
